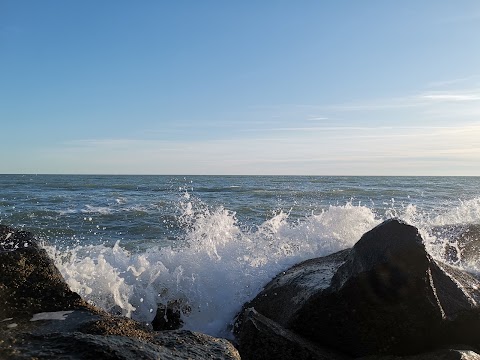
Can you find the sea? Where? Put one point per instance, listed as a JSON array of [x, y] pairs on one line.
[[210, 243]]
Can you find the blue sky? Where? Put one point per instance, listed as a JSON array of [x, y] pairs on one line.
[[247, 87]]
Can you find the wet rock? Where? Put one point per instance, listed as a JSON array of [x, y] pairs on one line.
[[29, 280], [169, 317], [391, 297], [287, 293]]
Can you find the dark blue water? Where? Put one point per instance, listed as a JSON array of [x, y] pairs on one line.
[[143, 210]]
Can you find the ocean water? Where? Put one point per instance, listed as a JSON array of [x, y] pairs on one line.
[[129, 243]]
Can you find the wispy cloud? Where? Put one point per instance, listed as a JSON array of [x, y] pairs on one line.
[[317, 118], [452, 96], [418, 100], [398, 135], [348, 150]]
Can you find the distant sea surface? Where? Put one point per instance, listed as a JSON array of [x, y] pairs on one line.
[[129, 243]]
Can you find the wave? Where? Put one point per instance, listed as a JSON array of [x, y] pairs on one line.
[[219, 264], [118, 207]]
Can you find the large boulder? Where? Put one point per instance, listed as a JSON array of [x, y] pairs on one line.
[[386, 295], [29, 280], [41, 318]]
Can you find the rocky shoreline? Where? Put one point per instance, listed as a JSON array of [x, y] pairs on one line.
[[385, 298], [41, 318]]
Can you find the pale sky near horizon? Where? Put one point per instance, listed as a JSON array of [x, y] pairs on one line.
[[240, 87]]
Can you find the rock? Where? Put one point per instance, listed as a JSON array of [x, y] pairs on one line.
[[386, 295], [41, 318], [261, 326], [391, 297], [287, 293], [184, 344], [76, 345], [169, 317], [263, 338], [444, 354], [29, 281]]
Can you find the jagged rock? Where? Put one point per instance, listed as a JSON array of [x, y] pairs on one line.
[[29, 281], [41, 318], [387, 296], [169, 317], [390, 296], [263, 338]]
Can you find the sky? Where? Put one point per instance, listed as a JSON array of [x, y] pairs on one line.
[[308, 87]]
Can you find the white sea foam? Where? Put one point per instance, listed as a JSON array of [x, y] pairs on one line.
[[222, 265], [118, 207], [103, 210], [466, 212]]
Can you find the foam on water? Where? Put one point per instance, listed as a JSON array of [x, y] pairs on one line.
[[218, 268], [220, 264]]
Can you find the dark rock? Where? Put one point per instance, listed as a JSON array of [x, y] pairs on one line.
[[391, 297], [263, 338], [77, 345], [287, 293], [184, 344], [29, 280], [72, 329], [260, 327], [443, 354], [384, 296], [169, 317]]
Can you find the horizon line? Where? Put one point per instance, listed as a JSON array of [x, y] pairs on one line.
[[225, 175]]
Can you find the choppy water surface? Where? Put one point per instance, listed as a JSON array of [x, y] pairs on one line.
[[127, 243]]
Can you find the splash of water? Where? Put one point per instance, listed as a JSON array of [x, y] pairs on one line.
[[219, 265]]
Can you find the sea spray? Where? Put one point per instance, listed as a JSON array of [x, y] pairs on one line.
[[219, 266]]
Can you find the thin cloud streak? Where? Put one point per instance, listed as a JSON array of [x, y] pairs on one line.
[[452, 97], [343, 153], [317, 118]]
